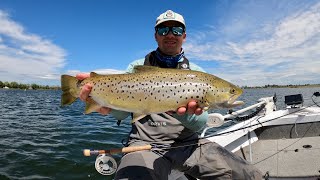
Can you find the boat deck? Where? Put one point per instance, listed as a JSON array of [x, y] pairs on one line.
[[297, 157]]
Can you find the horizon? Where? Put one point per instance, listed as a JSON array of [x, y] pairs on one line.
[[248, 43], [262, 86]]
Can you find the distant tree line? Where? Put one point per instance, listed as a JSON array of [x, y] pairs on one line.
[[281, 86], [15, 85]]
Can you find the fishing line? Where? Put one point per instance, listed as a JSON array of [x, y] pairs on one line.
[[106, 165], [285, 147], [213, 135], [263, 122], [316, 94], [219, 134]]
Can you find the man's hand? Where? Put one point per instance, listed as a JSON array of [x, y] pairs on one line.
[[85, 91], [192, 108]]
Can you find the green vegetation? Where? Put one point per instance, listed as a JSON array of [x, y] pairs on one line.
[[15, 85], [282, 86]]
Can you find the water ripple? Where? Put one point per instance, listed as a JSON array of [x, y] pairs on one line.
[[41, 140]]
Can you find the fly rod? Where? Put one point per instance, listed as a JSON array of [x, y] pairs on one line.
[[88, 152]]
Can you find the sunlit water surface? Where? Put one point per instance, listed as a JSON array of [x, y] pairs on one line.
[[41, 140]]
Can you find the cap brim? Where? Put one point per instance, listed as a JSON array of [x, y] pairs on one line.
[[165, 20]]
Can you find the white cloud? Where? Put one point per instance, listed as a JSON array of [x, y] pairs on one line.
[[27, 57], [288, 55], [98, 71]]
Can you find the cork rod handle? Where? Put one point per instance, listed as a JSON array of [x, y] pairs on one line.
[[88, 152]]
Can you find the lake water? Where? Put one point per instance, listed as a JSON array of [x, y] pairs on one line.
[[41, 140]]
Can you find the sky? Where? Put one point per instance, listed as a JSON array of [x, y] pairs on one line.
[[246, 42]]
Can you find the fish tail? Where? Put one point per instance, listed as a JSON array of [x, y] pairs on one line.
[[69, 89]]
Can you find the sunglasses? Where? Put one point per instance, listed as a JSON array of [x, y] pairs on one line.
[[163, 31]]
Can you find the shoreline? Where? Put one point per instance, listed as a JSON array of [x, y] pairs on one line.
[[282, 86]]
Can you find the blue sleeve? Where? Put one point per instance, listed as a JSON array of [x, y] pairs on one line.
[[133, 64], [195, 67], [193, 122]]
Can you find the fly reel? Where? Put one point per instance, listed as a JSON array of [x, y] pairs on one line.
[[106, 165], [215, 120]]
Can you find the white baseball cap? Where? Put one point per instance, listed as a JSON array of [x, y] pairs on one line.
[[169, 15]]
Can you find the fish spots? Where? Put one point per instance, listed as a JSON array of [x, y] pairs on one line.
[[158, 87]]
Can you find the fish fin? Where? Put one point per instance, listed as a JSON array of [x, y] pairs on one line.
[[137, 117], [141, 68], [93, 74], [69, 89], [91, 106]]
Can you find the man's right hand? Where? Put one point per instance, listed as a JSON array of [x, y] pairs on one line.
[[85, 91]]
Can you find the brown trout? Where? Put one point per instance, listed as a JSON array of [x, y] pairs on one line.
[[152, 90]]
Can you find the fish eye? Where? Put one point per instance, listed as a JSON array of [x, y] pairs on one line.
[[232, 91]]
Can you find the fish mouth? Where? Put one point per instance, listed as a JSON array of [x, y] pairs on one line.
[[232, 102], [232, 99]]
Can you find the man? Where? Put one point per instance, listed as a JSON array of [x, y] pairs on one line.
[[178, 144]]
